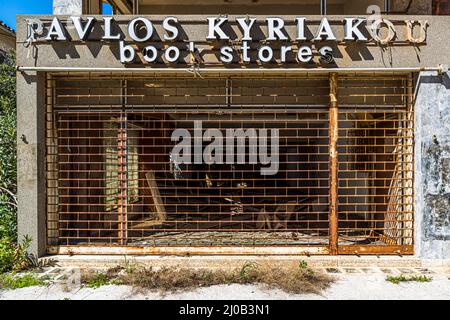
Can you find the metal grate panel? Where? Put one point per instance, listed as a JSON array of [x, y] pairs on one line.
[[112, 180], [375, 150]]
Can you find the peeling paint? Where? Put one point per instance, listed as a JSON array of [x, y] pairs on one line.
[[437, 217], [436, 159], [433, 105], [437, 190]]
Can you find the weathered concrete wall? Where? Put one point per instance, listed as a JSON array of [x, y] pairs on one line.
[[432, 183], [69, 7], [7, 41], [31, 159], [98, 53]]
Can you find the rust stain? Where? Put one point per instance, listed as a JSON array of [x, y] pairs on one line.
[[333, 164]]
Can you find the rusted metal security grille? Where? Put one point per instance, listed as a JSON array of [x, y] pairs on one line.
[[375, 161], [113, 179]]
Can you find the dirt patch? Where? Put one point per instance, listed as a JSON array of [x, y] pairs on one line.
[[296, 280]]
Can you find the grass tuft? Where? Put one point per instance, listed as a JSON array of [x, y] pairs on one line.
[[303, 264], [247, 269], [413, 278], [96, 280]]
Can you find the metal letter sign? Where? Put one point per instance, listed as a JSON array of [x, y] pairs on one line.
[[134, 40]]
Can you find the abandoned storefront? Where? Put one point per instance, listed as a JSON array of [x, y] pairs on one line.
[[239, 134]]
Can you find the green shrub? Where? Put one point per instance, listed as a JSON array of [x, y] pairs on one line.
[[8, 158], [98, 280], [8, 219], [413, 278], [14, 256], [13, 281]]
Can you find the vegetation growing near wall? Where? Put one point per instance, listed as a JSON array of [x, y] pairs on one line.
[[413, 278], [97, 280], [13, 281], [8, 159], [14, 256], [297, 280]]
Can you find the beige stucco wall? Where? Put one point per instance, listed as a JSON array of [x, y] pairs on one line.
[[7, 41]]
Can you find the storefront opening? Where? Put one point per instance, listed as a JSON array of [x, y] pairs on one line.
[[113, 180]]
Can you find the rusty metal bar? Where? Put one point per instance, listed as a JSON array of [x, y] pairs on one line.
[[398, 250], [441, 69], [122, 166], [333, 164], [122, 179], [197, 250], [194, 250]]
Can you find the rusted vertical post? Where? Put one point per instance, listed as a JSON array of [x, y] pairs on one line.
[[408, 235], [122, 180], [52, 164], [122, 148], [334, 133]]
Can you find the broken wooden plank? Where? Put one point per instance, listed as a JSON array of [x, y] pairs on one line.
[[157, 200]]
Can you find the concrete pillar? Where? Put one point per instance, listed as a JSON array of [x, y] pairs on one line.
[[432, 166], [31, 160], [77, 7]]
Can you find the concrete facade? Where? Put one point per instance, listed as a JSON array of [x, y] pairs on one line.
[[432, 119], [432, 166], [98, 53], [31, 150]]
